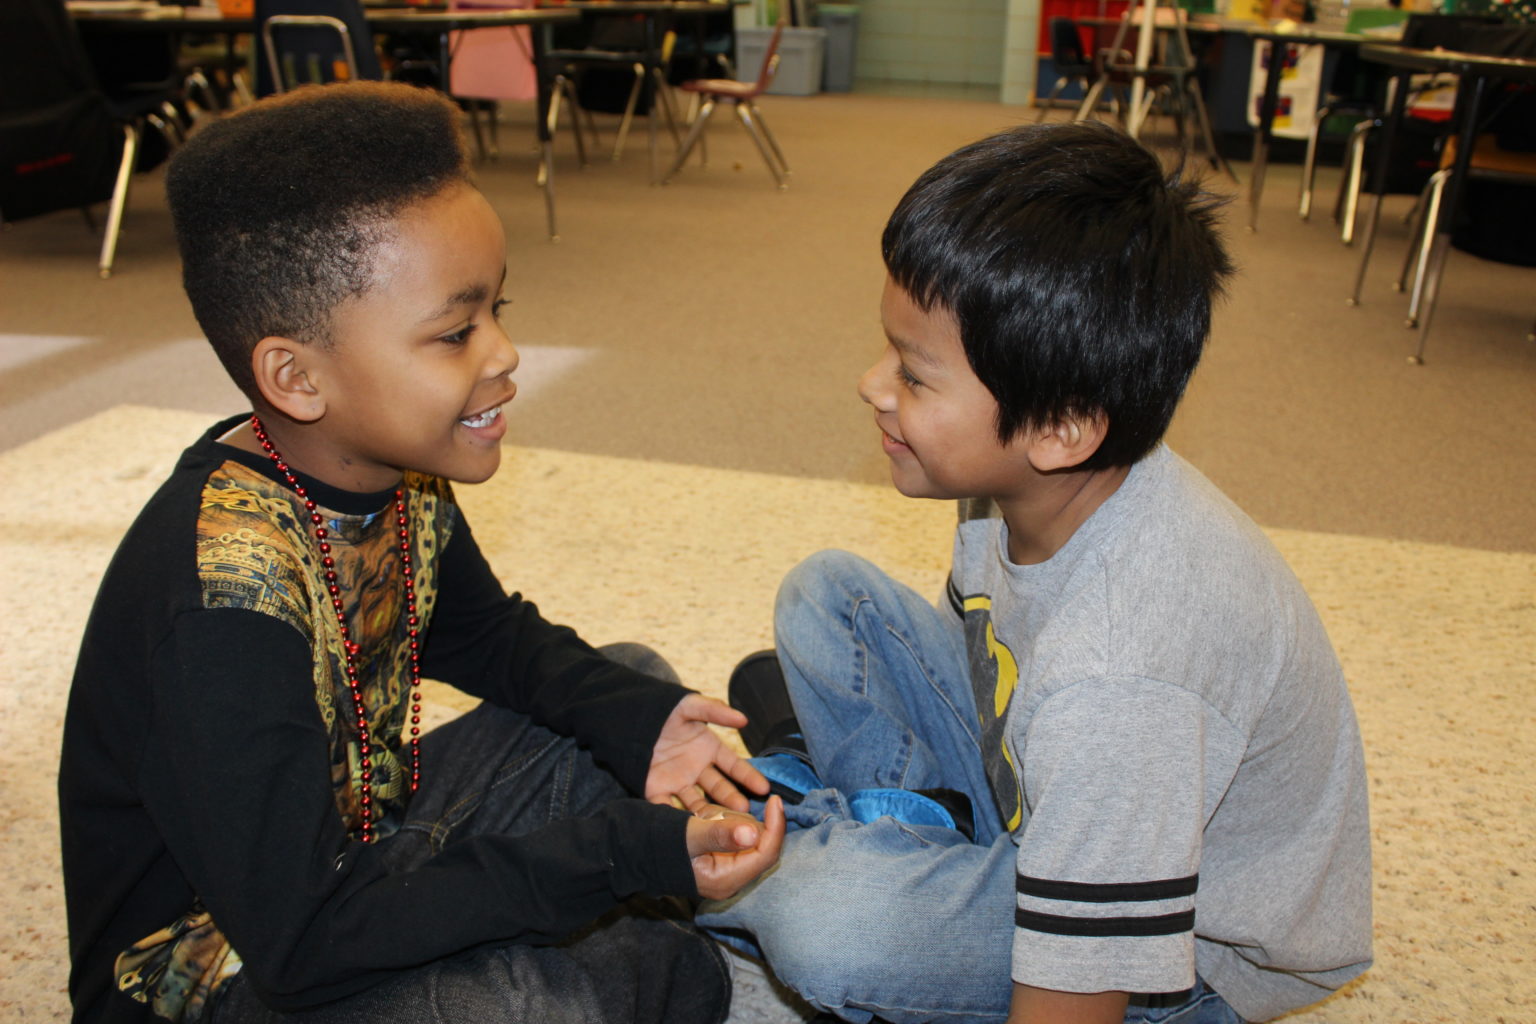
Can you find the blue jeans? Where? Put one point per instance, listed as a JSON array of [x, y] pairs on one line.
[[495, 771], [901, 922]]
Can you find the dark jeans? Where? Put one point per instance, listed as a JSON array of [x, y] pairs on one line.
[[492, 770]]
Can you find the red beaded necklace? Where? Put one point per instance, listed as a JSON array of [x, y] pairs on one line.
[[321, 534]]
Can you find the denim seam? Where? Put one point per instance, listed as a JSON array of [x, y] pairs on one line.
[[915, 653], [461, 810]]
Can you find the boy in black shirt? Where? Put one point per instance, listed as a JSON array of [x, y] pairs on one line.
[[253, 824]]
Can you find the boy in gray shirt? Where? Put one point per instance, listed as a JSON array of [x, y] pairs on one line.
[[1116, 775]]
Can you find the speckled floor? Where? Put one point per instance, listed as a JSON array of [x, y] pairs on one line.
[[1437, 643]]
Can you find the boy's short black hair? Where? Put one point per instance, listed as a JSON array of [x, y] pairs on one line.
[[1080, 276], [279, 207]]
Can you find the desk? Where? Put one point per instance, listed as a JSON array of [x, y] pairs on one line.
[[1474, 72], [1256, 31], [1275, 35]]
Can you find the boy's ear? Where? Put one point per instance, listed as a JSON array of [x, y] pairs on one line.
[[1068, 442], [282, 370]]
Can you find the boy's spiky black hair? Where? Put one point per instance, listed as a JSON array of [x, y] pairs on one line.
[[1080, 275], [279, 208]]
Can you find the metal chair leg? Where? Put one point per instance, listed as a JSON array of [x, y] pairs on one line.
[[474, 126], [745, 117], [1348, 206], [569, 88], [1061, 83], [629, 111], [1423, 239], [773, 144], [1309, 165], [1090, 101], [1415, 226], [1206, 135], [547, 181], [694, 136], [663, 93], [119, 200]]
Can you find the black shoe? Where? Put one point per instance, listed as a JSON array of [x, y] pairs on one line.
[[959, 807], [758, 691]]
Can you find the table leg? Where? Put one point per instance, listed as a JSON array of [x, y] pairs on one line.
[[1278, 51], [648, 91], [1399, 87], [542, 42]]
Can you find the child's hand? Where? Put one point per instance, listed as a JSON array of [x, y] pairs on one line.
[[690, 763], [730, 848]]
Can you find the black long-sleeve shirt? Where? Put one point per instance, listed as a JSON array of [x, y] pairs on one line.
[[208, 782]]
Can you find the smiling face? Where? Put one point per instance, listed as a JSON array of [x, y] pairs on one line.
[[937, 419], [418, 367]]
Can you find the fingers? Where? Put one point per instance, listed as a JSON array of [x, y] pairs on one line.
[[693, 799], [718, 712], [721, 789], [771, 840], [699, 708], [722, 873], [715, 830], [745, 773]]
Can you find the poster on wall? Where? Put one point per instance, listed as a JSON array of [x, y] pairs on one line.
[[1301, 80]]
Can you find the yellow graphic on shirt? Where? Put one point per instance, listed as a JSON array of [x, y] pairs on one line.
[[994, 668]]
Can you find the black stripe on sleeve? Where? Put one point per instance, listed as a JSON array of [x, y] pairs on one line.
[[1100, 927], [955, 600], [1116, 892]]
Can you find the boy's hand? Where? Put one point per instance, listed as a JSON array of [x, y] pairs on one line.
[[691, 763], [729, 848]]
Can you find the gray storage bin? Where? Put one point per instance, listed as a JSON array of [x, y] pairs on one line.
[[842, 24]]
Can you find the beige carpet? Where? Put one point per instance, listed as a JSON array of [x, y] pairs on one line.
[[1436, 641]]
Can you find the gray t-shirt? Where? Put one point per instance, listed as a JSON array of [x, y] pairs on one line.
[[1172, 746]]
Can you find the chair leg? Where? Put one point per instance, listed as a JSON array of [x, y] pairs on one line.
[[119, 200], [1423, 239], [1090, 100], [1206, 135], [474, 125], [547, 180], [745, 117], [663, 93], [244, 97], [200, 97], [629, 111], [569, 88], [689, 117], [1051, 98], [1415, 224], [1349, 196], [1309, 165], [773, 144], [694, 136]]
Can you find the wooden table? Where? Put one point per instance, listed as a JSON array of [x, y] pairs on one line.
[[1474, 73]]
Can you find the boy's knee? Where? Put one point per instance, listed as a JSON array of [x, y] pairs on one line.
[[820, 581]]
